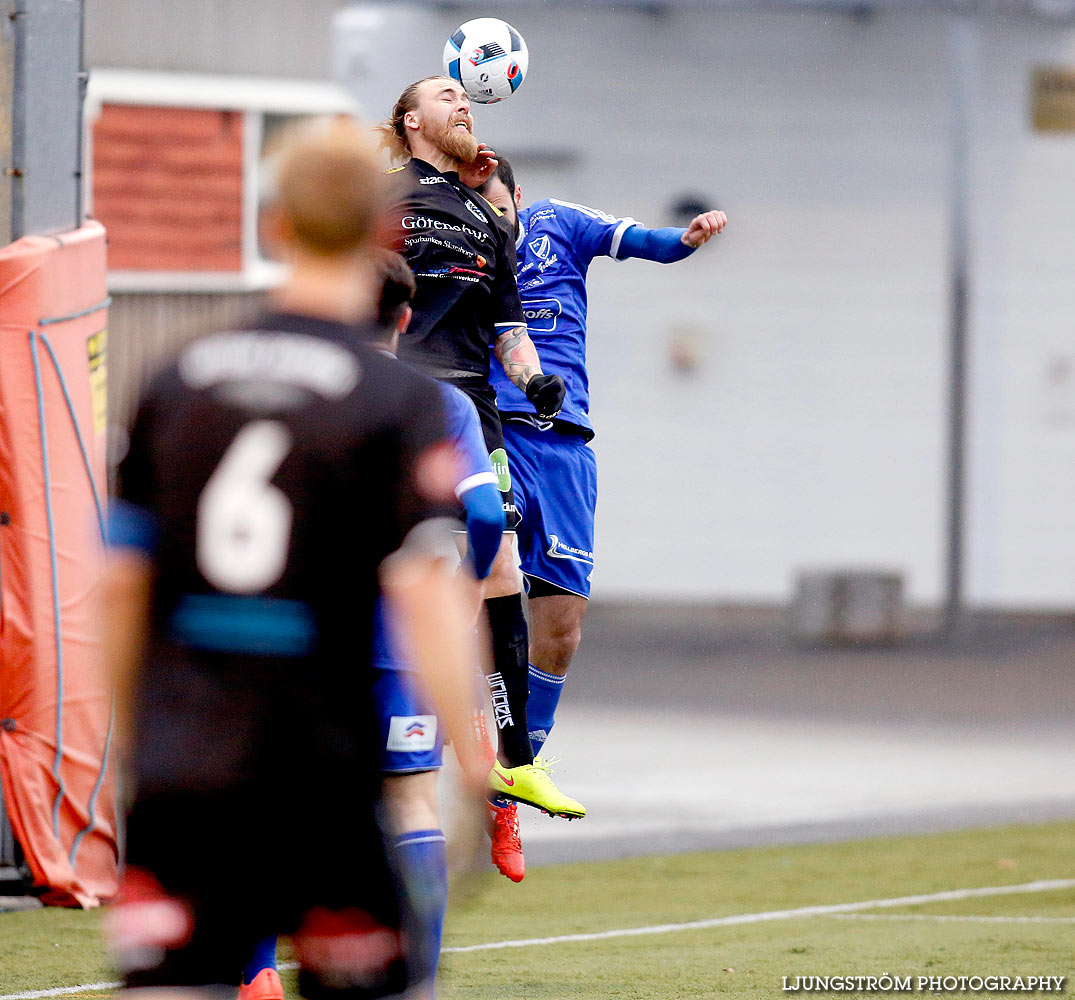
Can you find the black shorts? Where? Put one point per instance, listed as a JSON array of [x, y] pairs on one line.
[[483, 396], [255, 813], [209, 875]]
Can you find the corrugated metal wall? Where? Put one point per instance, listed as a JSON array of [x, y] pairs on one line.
[[144, 329]]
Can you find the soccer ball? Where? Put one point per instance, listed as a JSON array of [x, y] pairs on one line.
[[488, 57]]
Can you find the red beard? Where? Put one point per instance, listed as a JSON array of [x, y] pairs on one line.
[[459, 144]]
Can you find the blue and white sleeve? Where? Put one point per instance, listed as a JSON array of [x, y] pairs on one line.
[[592, 233]]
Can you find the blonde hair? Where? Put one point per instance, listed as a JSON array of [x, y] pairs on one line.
[[329, 185], [392, 133]]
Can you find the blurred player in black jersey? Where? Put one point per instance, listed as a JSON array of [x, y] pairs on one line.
[[467, 300], [278, 478]]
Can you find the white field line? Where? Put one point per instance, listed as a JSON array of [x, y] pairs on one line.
[[953, 917], [1042, 885]]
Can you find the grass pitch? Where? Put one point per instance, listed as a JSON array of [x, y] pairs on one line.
[[1027, 934]]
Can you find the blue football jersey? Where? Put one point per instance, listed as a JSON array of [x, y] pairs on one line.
[[557, 240], [465, 432]]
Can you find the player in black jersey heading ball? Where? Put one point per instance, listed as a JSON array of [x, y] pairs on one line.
[[278, 478], [462, 253]]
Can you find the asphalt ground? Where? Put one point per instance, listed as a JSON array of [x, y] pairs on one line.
[[685, 728]]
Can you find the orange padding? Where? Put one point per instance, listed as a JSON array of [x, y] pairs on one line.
[[55, 718]]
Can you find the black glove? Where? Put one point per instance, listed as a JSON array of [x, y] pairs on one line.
[[547, 393]]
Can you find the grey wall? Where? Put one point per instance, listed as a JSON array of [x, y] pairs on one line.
[[254, 37]]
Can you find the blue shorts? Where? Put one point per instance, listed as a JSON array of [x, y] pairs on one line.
[[554, 476], [412, 740]]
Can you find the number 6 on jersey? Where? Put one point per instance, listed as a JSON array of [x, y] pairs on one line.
[[244, 522]]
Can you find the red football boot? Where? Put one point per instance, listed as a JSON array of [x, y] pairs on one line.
[[265, 986], [507, 848]]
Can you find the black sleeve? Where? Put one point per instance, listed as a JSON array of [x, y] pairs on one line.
[[428, 460], [507, 306]]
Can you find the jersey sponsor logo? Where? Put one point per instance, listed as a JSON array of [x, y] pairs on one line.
[[425, 222], [481, 261], [549, 263], [558, 550], [433, 180], [412, 733], [499, 458], [532, 283], [475, 211], [526, 267], [459, 273], [541, 314], [545, 213], [540, 246]]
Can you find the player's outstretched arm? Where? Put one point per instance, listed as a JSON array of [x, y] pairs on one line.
[[517, 353], [666, 246]]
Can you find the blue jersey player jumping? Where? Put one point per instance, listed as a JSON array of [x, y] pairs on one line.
[[554, 471]]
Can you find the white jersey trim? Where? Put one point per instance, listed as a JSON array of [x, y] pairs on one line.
[[617, 237], [624, 224], [478, 479]]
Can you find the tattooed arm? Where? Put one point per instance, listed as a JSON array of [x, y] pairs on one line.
[[517, 353]]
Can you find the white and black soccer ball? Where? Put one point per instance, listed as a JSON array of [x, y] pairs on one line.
[[488, 57]]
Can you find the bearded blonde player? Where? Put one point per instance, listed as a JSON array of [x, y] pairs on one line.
[[462, 253]]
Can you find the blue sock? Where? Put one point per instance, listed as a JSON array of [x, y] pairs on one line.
[[264, 957], [541, 705], [423, 856]]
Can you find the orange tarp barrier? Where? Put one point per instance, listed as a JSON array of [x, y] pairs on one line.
[[55, 710]]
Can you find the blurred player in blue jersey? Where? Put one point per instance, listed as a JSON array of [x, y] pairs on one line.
[[412, 735], [553, 468]]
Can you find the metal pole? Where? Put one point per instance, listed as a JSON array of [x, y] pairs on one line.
[[963, 49]]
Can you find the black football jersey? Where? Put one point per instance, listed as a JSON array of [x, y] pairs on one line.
[[279, 466], [463, 257]]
